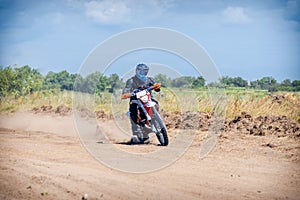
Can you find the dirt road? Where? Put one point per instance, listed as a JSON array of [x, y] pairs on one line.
[[41, 157]]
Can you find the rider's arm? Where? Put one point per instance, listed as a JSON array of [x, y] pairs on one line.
[[155, 86], [126, 93]]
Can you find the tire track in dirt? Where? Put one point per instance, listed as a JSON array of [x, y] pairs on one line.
[[55, 165]]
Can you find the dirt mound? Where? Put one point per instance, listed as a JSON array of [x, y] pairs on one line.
[[85, 112], [187, 120], [64, 110], [280, 126], [278, 98], [43, 108], [245, 123], [172, 120], [100, 114], [61, 110]]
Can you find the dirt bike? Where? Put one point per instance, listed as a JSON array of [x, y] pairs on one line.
[[148, 114]]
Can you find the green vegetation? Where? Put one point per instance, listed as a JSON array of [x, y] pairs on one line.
[[20, 81], [25, 88]]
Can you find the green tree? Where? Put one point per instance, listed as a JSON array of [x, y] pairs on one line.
[[234, 82], [198, 82], [19, 80], [296, 85], [265, 83], [182, 82], [102, 83], [163, 79], [62, 80], [7, 81], [78, 82], [65, 80], [114, 82], [50, 81], [286, 85], [286, 82], [90, 83], [27, 80]]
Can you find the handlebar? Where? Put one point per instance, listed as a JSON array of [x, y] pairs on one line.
[[156, 86]]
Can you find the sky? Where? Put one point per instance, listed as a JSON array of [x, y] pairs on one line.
[[250, 39]]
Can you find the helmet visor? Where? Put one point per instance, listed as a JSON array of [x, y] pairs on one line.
[[142, 70]]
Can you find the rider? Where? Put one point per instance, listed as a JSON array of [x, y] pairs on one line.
[[140, 80]]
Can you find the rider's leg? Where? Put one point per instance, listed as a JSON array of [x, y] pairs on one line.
[[135, 127]]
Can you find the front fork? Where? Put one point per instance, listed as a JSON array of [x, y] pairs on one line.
[[149, 119]]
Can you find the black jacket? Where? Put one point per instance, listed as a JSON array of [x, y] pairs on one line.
[[134, 83]]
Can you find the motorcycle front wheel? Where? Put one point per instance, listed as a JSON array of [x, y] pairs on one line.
[[161, 133]]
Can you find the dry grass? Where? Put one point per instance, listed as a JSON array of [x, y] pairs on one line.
[[233, 102], [36, 99], [288, 104]]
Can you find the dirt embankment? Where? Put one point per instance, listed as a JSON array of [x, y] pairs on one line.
[[61, 110], [280, 126], [64, 110], [244, 123]]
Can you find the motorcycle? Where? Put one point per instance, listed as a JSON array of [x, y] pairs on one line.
[[148, 115]]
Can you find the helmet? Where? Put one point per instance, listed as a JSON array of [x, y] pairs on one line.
[[141, 72]]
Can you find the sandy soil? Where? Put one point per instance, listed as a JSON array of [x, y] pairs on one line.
[[41, 157]]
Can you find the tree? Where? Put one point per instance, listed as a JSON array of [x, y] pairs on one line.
[[27, 79], [19, 80], [296, 85], [182, 82], [286, 85], [7, 79], [91, 83], [198, 82], [50, 81], [163, 79], [114, 82], [235, 82], [101, 84], [265, 83], [78, 82], [239, 82], [286, 82], [62, 80], [65, 81], [254, 84]]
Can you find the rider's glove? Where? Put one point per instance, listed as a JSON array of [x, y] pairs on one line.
[[125, 96], [156, 87]]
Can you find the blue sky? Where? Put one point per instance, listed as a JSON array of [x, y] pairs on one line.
[[250, 39]]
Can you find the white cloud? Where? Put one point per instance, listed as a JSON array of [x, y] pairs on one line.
[[125, 11], [107, 11], [235, 15], [164, 4]]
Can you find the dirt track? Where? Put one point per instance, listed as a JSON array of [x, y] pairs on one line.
[[42, 158]]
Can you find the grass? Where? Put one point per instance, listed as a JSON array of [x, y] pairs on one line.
[[254, 102], [36, 99]]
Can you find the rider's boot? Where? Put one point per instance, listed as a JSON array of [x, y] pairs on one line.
[[138, 137]]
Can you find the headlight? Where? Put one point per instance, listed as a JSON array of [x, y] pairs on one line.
[[144, 99]]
